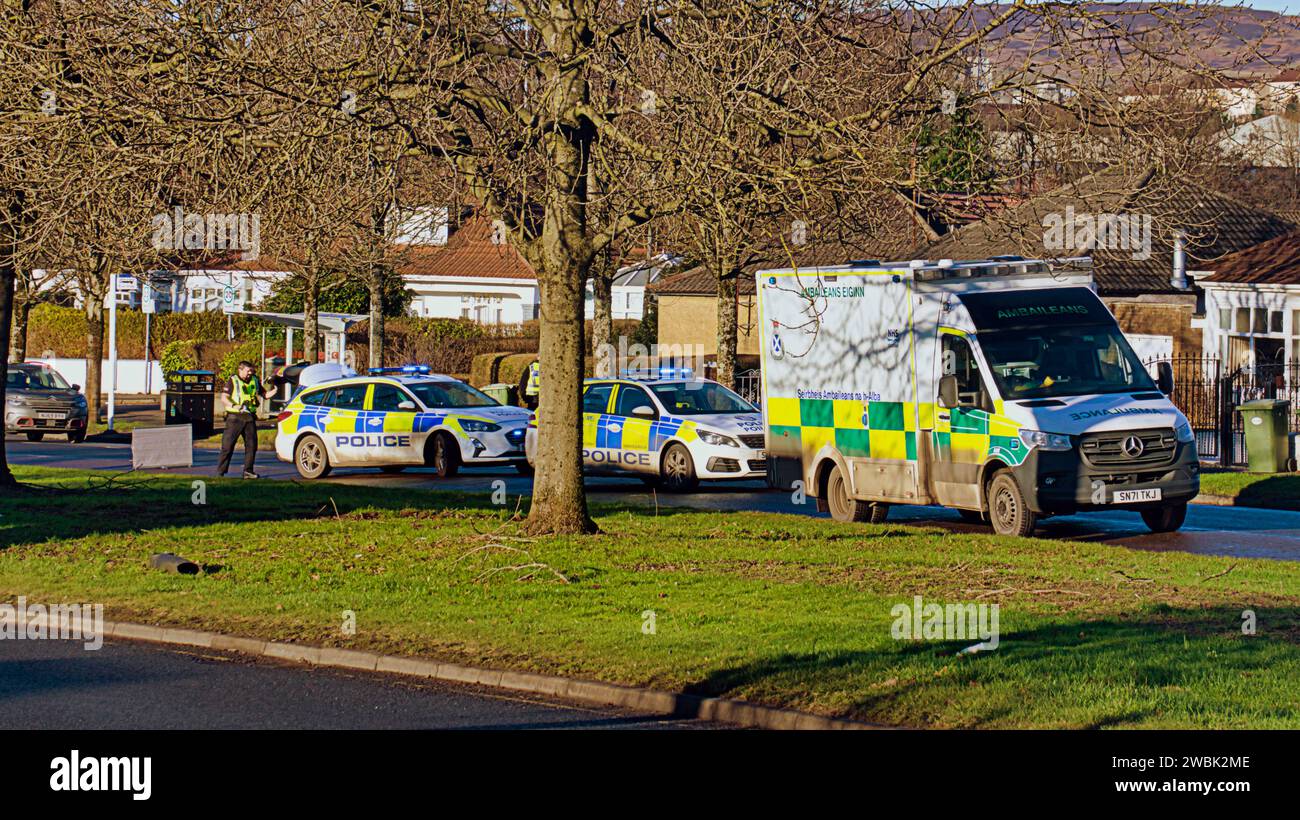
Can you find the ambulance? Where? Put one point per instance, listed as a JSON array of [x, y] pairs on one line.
[[1001, 387], [396, 418], [668, 428]]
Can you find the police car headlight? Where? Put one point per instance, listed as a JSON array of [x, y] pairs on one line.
[[476, 426], [1044, 441], [717, 439], [1183, 433]]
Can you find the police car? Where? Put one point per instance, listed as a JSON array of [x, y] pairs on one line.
[[668, 428], [396, 418]]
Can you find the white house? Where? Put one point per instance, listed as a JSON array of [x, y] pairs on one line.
[[1252, 305], [627, 295], [1267, 142], [475, 275]]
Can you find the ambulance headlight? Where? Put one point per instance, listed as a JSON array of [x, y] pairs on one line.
[[717, 439], [1183, 433], [476, 426], [1044, 441]]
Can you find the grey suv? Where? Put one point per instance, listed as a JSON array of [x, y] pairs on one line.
[[39, 401]]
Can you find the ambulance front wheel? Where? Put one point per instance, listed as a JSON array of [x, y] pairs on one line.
[[310, 458], [1165, 519], [1008, 510], [677, 469], [444, 456], [845, 508]]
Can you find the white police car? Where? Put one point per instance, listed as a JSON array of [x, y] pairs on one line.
[[395, 418], [668, 428]]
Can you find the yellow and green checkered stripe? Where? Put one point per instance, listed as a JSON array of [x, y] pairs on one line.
[[876, 429], [974, 436]]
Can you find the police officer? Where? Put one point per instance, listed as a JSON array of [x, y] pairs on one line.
[[533, 388], [241, 394]]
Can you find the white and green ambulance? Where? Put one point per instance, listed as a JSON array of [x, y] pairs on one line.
[[1001, 387]]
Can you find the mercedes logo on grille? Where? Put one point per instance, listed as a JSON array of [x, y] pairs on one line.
[[1132, 447]]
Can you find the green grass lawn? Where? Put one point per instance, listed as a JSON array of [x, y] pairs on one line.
[[779, 609], [1281, 489]]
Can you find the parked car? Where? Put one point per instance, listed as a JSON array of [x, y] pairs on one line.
[[39, 401]]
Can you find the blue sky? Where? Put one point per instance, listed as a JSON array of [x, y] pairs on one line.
[[1291, 6]]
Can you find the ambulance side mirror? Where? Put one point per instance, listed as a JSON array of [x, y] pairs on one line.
[[408, 406], [643, 411], [1165, 377], [948, 391]]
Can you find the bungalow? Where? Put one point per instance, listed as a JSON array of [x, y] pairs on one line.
[[1252, 307]]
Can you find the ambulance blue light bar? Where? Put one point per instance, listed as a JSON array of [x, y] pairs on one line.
[[409, 369], [652, 373]]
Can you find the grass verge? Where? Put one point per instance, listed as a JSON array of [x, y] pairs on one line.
[[777, 609], [1263, 489]]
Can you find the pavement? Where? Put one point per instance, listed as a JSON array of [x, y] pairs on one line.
[[57, 684], [1209, 530]]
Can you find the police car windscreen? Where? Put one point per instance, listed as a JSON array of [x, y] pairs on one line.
[[450, 394], [700, 399]]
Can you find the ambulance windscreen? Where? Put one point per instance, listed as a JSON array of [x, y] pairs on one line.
[[1070, 360]]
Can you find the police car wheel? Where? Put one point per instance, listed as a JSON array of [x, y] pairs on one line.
[[393, 468], [1008, 510], [677, 469], [310, 457], [1165, 519], [35, 436], [445, 456]]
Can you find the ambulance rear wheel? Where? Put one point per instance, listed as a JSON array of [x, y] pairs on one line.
[[677, 469], [310, 457], [393, 469], [445, 458], [1008, 510], [845, 508], [1165, 519]]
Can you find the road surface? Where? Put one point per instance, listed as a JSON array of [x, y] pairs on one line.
[[123, 685], [1230, 531]]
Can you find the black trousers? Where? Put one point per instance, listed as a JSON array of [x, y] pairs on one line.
[[238, 424]]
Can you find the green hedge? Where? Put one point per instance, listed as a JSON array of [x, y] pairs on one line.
[[63, 330]]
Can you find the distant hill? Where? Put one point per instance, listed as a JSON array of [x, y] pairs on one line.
[[1226, 38]]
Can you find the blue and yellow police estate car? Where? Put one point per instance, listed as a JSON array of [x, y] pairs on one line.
[[396, 418]]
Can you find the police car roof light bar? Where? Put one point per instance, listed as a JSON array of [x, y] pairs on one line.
[[651, 373], [408, 369]]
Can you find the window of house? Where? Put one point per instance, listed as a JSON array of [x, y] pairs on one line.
[[1225, 318], [1242, 321], [1275, 321], [1260, 325]]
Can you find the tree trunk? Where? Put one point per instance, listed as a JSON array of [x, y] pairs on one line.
[[6, 316], [22, 309], [376, 282], [602, 324], [559, 503], [375, 279], [310, 326], [727, 332], [94, 306]]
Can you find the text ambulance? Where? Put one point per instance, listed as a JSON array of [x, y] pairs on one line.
[[395, 418], [1002, 388]]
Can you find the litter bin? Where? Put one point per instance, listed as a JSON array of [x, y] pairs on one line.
[[189, 400], [1267, 424], [504, 393]]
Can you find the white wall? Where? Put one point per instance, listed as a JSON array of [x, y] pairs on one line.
[[487, 301], [130, 374]]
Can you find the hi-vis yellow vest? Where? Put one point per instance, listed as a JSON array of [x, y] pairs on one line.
[[245, 395], [534, 385]]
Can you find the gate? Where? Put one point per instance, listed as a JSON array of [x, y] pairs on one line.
[[1209, 397]]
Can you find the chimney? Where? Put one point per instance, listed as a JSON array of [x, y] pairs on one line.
[[1179, 278]]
